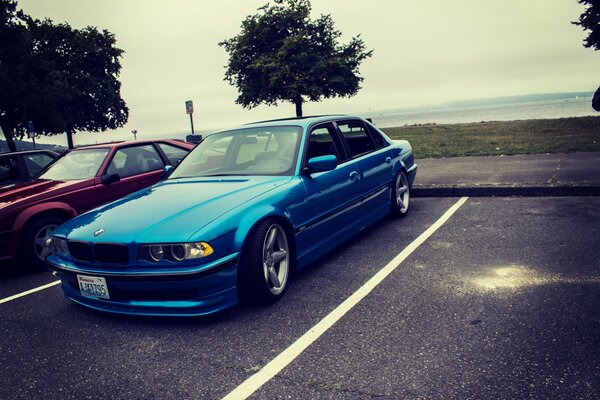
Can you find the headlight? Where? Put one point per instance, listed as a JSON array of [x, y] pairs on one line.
[[60, 247], [174, 252], [156, 252], [178, 251]]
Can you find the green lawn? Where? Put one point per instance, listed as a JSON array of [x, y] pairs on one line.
[[564, 135]]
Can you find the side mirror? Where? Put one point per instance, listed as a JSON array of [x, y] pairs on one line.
[[107, 179], [322, 163], [167, 170]]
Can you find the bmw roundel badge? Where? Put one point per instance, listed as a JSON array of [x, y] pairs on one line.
[[99, 232]]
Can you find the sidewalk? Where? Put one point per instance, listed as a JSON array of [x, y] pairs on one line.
[[574, 174]]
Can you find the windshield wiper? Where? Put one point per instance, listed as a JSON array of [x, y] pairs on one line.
[[205, 176]]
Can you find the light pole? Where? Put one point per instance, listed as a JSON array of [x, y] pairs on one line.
[[134, 131]]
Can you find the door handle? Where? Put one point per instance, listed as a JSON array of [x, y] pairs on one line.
[[388, 160], [353, 175]]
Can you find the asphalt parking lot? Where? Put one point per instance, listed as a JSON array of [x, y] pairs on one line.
[[502, 301]]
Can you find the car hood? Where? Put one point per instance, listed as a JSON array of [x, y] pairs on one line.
[[170, 211], [32, 191]]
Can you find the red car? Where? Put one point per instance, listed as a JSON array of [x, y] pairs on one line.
[[77, 182]]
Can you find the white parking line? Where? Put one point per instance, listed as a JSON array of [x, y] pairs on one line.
[[253, 383], [37, 289]]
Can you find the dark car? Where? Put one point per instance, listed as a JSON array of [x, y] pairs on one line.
[[77, 182], [24, 165]]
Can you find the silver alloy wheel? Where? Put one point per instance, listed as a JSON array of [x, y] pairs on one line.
[[402, 193], [39, 241], [275, 259]]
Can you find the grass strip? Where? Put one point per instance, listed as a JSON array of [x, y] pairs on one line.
[[563, 135]]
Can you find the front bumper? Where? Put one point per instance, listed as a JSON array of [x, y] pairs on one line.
[[412, 174], [198, 290]]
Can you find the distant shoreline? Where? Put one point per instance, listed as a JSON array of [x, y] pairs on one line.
[[528, 136]]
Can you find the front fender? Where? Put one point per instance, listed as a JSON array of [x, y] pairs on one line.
[[31, 212], [242, 220]]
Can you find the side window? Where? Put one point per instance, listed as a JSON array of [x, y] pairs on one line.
[[321, 142], [9, 169], [36, 162], [356, 137], [377, 138], [173, 153], [135, 160]]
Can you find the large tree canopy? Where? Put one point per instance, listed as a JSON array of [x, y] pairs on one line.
[[283, 55], [590, 21], [62, 79]]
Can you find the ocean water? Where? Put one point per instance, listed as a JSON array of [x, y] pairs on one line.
[[547, 109]]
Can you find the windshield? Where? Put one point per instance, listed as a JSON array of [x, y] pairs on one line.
[[78, 164], [254, 151]]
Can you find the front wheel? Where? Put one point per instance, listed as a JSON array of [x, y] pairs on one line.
[[33, 247], [400, 196], [264, 264]]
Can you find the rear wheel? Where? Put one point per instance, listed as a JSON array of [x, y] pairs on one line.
[[265, 264], [400, 196], [33, 247]]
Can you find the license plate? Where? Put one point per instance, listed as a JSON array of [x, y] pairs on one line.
[[93, 286]]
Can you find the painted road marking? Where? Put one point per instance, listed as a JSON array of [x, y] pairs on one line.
[[253, 383], [37, 289]]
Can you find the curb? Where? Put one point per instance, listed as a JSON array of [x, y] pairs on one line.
[[503, 190]]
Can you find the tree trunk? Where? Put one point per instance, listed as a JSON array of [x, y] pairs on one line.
[[298, 103], [8, 135], [70, 138]]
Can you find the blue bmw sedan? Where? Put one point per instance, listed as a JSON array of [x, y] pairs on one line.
[[230, 223]]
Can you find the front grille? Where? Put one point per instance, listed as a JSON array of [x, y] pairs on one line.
[[111, 253], [99, 253], [81, 251]]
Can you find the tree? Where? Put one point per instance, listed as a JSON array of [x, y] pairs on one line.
[[283, 55], [62, 79], [589, 20], [14, 81]]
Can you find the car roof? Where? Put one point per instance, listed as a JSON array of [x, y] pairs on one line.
[[14, 153], [301, 121], [127, 143]]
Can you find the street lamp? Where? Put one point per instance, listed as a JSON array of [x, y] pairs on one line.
[[134, 131]]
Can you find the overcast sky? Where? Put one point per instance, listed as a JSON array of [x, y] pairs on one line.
[[425, 52]]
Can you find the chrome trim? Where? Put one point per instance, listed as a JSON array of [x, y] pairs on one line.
[[339, 210], [197, 270]]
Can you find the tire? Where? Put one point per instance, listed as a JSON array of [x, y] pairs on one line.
[[33, 251], [400, 200], [264, 264]]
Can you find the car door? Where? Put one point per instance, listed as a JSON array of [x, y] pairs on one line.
[[138, 167], [373, 161], [327, 215]]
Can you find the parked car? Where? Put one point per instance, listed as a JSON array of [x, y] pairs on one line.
[[235, 217], [22, 166], [80, 180]]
